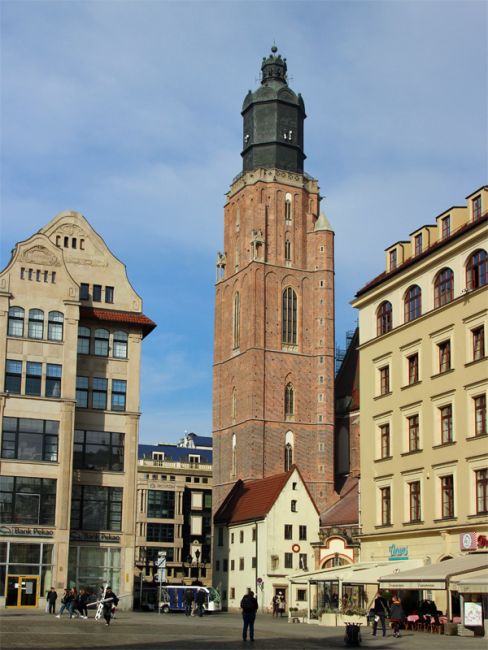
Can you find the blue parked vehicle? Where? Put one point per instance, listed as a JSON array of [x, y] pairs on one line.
[[172, 598]]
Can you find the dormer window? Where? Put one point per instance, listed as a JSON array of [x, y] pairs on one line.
[[446, 227], [393, 259], [193, 459], [418, 244], [477, 207], [158, 456]]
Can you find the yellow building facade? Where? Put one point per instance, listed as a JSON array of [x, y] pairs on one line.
[[424, 382], [71, 328]]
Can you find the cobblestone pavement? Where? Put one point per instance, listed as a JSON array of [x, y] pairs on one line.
[[149, 631]]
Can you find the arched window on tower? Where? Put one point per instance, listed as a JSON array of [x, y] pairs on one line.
[[234, 455], [289, 401], [288, 450], [288, 214], [443, 287], [287, 250], [233, 407], [236, 329], [384, 321], [289, 317], [476, 270]]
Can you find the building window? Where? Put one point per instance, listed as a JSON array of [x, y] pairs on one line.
[[253, 537], [444, 356], [234, 455], [55, 326], [236, 321], [241, 536], [413, 368], [98, 450], [109, 295], [481, 491], [385, 495], [418, 244], [82, 392], [84, 291], [29, 439], [385, 440], [288, 207], [232, 592], [480, 415], [16, 321], [289, 317], [94, 507], [384, 380], [443, 287], [446, 227], [414, 489], [478, 343], [99, 393], [288, 531], [447, 496], [476, 270], [293, 506], [413, 303], [476, 207], [36, 323], [413, 433], [28, 501], [161, 505], [33, 378], [97, 293], [288, 456], [302, 532], [253, 562], [393, 260], [53, 380], [288, 560], [384, 318], [233, 408], [232, 565], [13, 376], [83, 340], [302, 562], [446, 424], [289, 401], [101, 339], [220, 536], [120, 345], [302, 595], [119, 390], [287, 250]]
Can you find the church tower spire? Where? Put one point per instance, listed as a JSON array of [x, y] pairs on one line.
[[273, 388], [273, 117]]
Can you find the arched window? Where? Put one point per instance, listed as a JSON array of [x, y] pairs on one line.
[[101, 343], [36, 323], [289, 401], [55, 326], [476, 270], [234, 455], [120, 345], [84, 340], [288, 456], [288, 207], [236, 329], [384, 318], [287, 250], [413, 303], [16, 321], [234, 405], [289, 317], [443, 287]]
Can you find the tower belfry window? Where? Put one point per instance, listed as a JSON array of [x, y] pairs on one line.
[[289, 317], [288, 207], [289, 401], [237, 321]]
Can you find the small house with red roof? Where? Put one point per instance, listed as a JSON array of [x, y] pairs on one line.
[[263, 533]]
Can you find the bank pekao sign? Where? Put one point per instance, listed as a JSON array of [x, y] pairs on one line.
[[397, 553], [16, 531]]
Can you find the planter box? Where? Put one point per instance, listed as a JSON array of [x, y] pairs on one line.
[[329, 619], [342, 619]]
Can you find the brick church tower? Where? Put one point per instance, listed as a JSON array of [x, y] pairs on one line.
[[273, 390]]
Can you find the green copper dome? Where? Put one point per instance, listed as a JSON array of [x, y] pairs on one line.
[[273, 120]]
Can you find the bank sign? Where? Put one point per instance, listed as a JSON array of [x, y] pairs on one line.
[[397, 553]]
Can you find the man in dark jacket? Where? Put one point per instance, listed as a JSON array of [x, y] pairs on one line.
[[51, 599], [200, 601], [188, 600], [381, 611], [109, 602], [249, 606]]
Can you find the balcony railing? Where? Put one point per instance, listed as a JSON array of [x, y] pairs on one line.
[[168, 464]]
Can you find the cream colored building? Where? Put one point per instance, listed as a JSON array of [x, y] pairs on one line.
[[263, 534], [71, 328], [424, 380]]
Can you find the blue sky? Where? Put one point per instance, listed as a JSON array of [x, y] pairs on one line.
[[129, 112]]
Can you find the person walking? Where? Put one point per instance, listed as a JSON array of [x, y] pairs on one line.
[[51, 600], [82, 603], [274, 605], [65, 602], [397, 615], [110, 602], [249, 606], [380, 613], [73, 606], [200, 602], [188, 600]]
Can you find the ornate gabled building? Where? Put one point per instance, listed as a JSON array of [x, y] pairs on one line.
[[273, 393]]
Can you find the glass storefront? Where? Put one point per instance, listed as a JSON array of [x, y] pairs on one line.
[[92, 567], [18, 561]]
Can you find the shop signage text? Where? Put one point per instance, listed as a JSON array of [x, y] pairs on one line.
[[80, 536], [398, 552], [25, 532]]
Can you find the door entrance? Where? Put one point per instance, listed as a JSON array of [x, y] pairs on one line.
[[22, 591]]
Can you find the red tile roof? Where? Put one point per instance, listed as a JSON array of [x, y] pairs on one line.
[[112, 316], [345, 511], [251, 500]]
